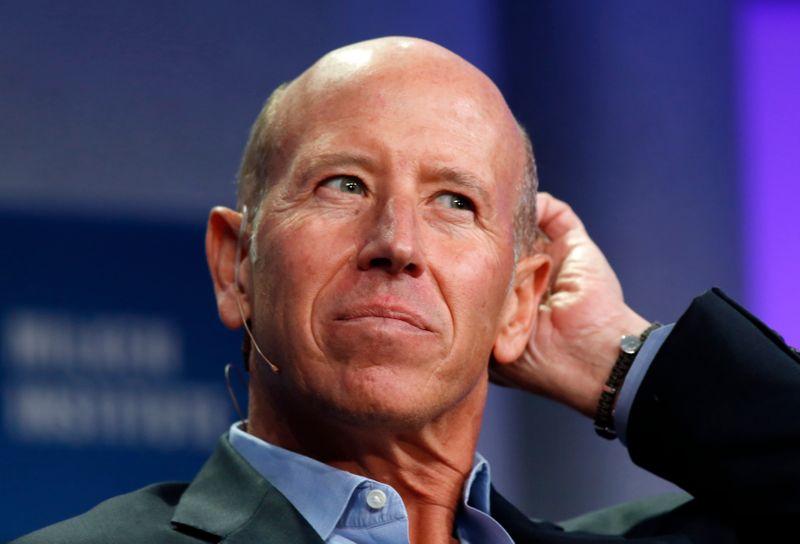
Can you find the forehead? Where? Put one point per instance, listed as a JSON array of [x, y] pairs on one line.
[[432, 111]]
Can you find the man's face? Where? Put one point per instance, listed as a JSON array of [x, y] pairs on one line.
[[385, 245]]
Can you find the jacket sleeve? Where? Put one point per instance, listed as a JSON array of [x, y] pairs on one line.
[[718, 413]]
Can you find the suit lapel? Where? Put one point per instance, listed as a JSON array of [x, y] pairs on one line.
[[526, 531], [230, 502], [521, 528]]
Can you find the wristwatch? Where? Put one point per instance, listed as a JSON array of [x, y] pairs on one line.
[[629, 346]]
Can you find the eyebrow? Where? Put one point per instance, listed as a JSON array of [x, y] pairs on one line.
[[466, 180], [327, 160]]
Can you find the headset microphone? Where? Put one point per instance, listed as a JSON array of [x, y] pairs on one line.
[[237, 260]]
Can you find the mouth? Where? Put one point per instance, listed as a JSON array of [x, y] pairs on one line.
[[384, 314]]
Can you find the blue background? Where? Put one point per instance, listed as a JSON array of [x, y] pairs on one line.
[[122, 123]]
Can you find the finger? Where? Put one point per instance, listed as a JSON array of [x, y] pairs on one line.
[[556, 217]]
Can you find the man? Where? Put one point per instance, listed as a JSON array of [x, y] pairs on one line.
[[389, 255]]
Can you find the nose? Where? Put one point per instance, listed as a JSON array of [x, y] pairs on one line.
[[392, 242]]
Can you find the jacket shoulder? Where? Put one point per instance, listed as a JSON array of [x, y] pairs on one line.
[[140, 516], [623, 518]]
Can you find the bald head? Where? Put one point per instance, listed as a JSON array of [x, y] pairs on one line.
[[385, 74], [401, 61]]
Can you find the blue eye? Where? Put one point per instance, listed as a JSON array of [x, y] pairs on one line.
[[455, 201], [345, 184]]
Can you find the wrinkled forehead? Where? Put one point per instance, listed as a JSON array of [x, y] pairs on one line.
[[394, 78]]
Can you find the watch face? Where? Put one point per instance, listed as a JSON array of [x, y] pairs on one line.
[[630, 344]]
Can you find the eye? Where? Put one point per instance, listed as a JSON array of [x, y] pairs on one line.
[[456, 202], [345, 184]]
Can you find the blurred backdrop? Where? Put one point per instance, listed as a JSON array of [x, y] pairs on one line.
[[671, 127]]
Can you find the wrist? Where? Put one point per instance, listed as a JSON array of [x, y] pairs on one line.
[[599, 357], [629, 346]]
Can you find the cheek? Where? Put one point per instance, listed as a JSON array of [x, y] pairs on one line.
[[297, 259], [475, 284]]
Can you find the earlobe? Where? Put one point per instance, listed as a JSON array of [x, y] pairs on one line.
[[222, 234], [521, 306]]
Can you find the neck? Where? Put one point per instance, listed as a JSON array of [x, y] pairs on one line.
[[427, 464]]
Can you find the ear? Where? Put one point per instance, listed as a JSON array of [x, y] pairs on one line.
[[520, 309], [222, 233]]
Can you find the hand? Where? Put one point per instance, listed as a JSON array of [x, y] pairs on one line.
[[575, 340]]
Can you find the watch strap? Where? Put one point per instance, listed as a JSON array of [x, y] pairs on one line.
[[629, 347]]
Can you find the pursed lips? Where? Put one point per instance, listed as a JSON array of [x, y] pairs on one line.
[[384, 312]]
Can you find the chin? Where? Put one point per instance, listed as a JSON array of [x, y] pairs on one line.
[[387, 405], [400, 420]]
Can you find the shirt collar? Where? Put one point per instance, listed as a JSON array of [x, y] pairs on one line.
[[300, 479], [477, 487]]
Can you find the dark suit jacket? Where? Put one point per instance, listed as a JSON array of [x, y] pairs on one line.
[[717, 413]]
